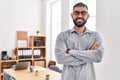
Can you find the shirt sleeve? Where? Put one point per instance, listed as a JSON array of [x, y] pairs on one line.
[[61, 56], [90, 55]]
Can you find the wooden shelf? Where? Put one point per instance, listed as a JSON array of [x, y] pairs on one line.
[[25, 59], [39, 58], [8, 61], [36, 50], [39, 47]]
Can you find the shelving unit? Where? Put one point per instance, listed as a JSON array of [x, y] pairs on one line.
[[35, 52], [38, 44]]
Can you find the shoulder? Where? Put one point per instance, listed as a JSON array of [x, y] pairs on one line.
[[64, 34], [90, 33], [97, 36], [94, 33]]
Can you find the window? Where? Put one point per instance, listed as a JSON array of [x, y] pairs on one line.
[[54, 16], [56, 25]]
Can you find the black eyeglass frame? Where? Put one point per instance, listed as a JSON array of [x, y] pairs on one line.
[[83, 13]]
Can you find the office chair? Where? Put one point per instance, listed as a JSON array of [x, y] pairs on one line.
[[7, 76], [52, 66]]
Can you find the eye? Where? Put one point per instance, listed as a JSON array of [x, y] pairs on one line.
[[84, 12], [76, 12]]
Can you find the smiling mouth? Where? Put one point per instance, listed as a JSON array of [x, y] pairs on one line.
[[79, 20]]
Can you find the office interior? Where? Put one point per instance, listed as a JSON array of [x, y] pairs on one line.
[[31, 15]]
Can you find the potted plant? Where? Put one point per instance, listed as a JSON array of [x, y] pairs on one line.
[[37, 32], [36, 72], [47, 76]]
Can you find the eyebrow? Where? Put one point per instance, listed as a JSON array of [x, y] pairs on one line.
[[80, 11]]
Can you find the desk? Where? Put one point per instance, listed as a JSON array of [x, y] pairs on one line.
[[26, 75]]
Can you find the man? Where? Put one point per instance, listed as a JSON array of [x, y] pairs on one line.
[[77, 49]]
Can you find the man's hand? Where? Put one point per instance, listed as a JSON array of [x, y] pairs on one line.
[[94, 46], [67, 51]]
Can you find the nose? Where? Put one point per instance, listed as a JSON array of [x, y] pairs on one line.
[[79, 15]]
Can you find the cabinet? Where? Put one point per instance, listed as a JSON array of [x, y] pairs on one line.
[[38, 45], [35, 53], [5, 64]]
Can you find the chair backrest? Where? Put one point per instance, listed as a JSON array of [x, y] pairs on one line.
[[51, 63], [8, 77], [55, 68]]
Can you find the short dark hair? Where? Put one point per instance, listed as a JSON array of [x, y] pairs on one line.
[[80, 4]]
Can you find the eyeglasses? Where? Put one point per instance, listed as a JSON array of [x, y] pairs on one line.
[[83, 13]]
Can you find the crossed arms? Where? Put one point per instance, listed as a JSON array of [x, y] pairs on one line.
[[76, 57]]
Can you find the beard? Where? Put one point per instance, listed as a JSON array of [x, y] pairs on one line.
[[79, 24]]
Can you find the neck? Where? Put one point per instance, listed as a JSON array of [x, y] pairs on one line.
[[80, 29]]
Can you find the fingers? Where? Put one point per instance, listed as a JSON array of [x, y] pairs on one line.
[[67, 51], [94, 46]]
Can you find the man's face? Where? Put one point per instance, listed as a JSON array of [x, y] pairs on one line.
[[80, 16]]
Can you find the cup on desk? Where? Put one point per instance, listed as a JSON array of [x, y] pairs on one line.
[[47, 77], [30, 68]]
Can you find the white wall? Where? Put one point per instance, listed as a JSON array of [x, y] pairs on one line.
[[16, 15], [108, 24]]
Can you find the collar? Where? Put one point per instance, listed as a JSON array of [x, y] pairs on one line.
[[86, 31]]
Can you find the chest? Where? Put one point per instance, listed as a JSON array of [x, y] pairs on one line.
[[78, 41]]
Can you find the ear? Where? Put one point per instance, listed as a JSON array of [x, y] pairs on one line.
[[88, 16], [72, 15]]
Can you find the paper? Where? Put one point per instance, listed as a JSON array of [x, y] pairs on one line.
[[22, 43], [39, 69]]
